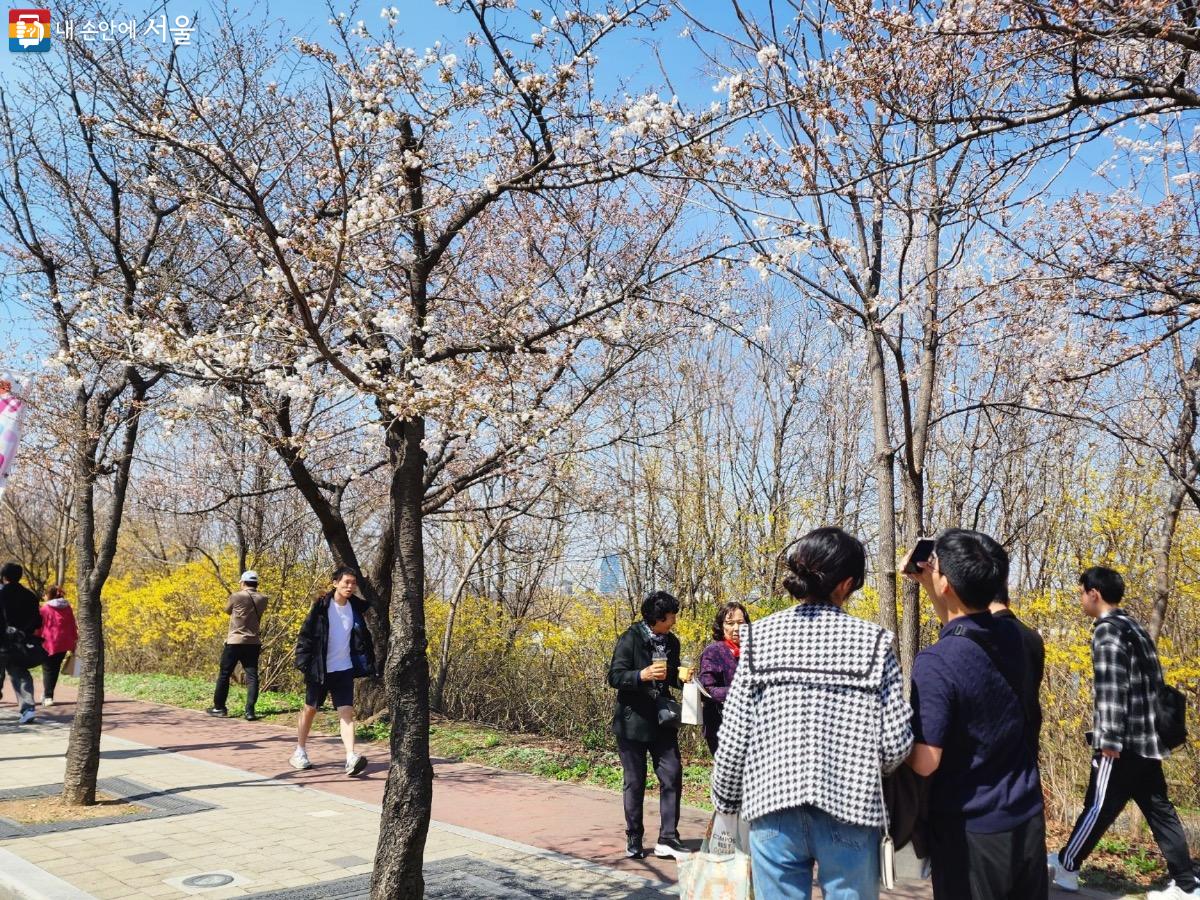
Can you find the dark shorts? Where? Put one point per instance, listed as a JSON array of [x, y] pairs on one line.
[[339, 686]]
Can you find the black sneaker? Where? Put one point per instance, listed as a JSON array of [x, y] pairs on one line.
[[633, 847], [219, 713], [250, 716], [667, 848]]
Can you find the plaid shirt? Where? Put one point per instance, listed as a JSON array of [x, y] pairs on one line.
[[1123, 691]]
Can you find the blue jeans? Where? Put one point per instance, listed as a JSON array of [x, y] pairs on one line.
[[784, 846]]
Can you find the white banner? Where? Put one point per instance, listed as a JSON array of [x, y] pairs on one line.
[[12, 410]]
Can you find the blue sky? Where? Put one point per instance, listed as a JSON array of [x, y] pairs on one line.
[[422, 22]]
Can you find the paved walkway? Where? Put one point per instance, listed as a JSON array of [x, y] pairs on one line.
[[273, 828]]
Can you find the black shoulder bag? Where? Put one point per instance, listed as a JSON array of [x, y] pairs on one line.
[[1170, 705], [1013, 685]]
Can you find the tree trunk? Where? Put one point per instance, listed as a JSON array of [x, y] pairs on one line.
[[914, 527], [1162, 558], [93, 564], [83, 746], [408, 796], [885, 483], [62, 542]]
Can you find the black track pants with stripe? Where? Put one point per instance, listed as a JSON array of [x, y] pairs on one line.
[[1113, 783]]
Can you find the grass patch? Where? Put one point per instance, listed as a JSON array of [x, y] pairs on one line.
[[188, 692], [557, 760], [592, 760], [197, 693]]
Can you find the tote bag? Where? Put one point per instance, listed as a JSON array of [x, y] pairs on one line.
[[715, 876]]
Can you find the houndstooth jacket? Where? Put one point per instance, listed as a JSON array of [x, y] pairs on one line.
[[816, 708], [1127, 674]]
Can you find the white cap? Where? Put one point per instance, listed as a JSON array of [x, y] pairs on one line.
[[250, 577]]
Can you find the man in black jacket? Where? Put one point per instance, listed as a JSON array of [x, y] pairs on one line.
[[19, 608], [334, 647], [645, 665]]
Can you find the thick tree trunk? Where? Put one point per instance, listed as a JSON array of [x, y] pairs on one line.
[[83, 745], [94, 559], [408, 796]]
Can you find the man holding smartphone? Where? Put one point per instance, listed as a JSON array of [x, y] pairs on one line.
[[987, 829]]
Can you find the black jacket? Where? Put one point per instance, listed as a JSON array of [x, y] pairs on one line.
[[19, 608], [636, 715], [313, 642]]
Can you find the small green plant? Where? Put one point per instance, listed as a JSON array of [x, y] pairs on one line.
[[1142, 862], [373, 731]]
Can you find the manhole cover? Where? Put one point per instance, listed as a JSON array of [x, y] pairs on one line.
[[211, 880]]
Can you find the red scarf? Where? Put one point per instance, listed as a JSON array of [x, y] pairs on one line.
[[735, 649]]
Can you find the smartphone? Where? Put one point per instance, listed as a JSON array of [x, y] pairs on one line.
[[920, 553]]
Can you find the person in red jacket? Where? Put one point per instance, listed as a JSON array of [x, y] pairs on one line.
[[59, 635]]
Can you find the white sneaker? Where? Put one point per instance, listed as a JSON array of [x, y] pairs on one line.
[[1060, 877], [47, 701], [355, 763], [1173, 892], [299, 759]]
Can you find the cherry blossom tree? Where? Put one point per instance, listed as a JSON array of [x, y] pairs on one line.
[[845, 200], [1039, 73], [78, 239], [451, 252]]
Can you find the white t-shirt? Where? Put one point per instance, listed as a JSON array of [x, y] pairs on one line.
[[341, 622]]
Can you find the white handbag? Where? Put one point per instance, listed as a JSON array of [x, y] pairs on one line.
[[693, 714], [887, 850]]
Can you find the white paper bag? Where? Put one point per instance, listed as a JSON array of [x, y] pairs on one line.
[[692, 714]]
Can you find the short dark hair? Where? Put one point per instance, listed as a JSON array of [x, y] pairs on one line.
[[975, 565], [1000, 557], [53, 592], [11, 571], [723, 614], [823, 559], [1107, 581], [342, 571], [657, 606]]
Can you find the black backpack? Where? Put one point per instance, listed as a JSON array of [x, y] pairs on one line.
[[1170, 705]]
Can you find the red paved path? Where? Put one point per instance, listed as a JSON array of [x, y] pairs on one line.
[[577, 820]]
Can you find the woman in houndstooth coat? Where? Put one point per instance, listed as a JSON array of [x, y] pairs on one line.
[[816, 713]]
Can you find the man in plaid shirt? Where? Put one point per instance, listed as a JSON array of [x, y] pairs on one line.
[[1127, 764]]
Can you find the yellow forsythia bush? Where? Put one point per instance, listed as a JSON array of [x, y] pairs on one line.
[[175, 622]]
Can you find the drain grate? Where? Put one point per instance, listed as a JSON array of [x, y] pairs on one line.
[[468, 878]]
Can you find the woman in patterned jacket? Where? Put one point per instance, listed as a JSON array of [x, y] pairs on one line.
[[816, 714]]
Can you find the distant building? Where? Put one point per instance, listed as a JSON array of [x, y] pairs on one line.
[[612, 578]]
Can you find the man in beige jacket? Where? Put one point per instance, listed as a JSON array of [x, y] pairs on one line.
[[243, 644]]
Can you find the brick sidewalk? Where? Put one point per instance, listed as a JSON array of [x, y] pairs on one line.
[[568, 837]]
